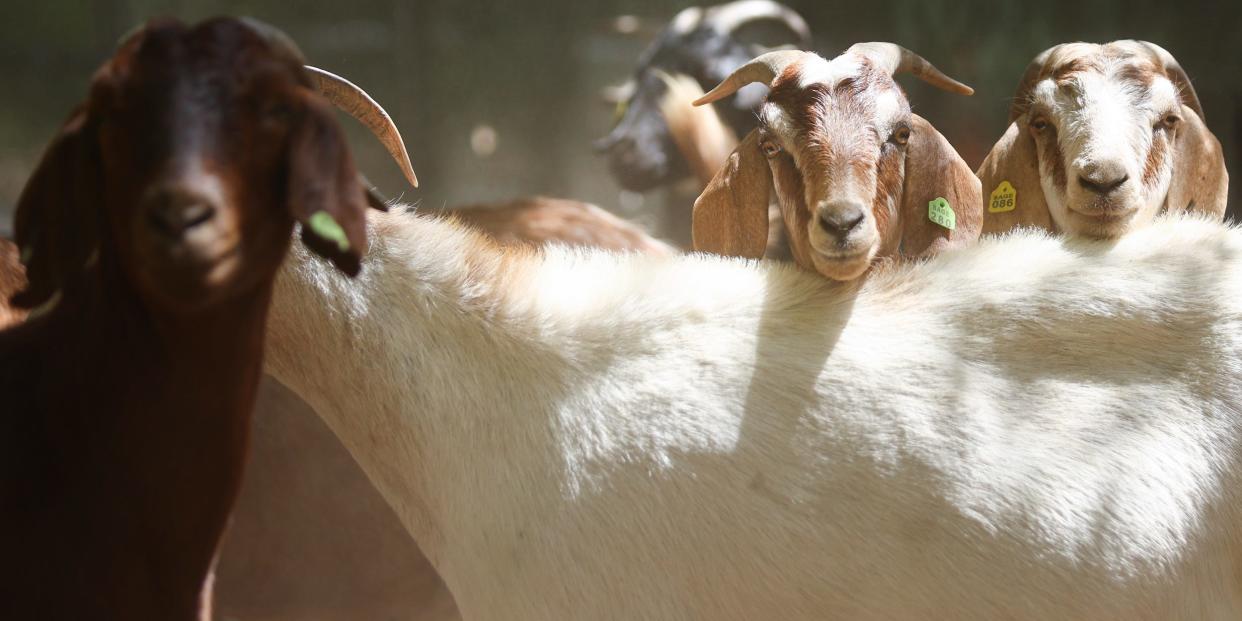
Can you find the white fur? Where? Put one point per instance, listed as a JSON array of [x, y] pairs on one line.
[[815, 69], [1105, 123], [577, 435]]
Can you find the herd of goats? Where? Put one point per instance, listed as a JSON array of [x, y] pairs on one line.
[[882, 386]]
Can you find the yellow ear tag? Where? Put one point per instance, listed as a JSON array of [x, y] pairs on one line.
[[1004, 198], [941, 213], [325, 226]]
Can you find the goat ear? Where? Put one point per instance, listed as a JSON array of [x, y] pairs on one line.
[[1200, 181], [934, 171], [58, 220], [324, 192], [731, 216], [1011, 173]]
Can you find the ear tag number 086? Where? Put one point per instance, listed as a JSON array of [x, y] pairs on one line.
[[1004, 198]]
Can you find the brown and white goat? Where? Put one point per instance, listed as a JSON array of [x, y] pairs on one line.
[[857, 175], [152, 230], [1101, 139]]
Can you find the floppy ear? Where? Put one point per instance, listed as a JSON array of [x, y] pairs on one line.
[[935, 170], [58, 220], [1014, 160], [731, 216], [1200, 181], [325, 195]]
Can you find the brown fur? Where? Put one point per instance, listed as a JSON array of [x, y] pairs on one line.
[[726, 215], [127, 402], [540, 220]]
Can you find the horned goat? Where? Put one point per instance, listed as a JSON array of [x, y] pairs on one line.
[[579, 435], [1101, 139], [699, 44], [857, 175], [151, 232]]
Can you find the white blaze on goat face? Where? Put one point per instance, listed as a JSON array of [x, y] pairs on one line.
[[829, 133], [1103, 133]]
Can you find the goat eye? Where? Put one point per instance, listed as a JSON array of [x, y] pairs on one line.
[[770, 149], [1168, 122], [901, 135], [1039, 124]]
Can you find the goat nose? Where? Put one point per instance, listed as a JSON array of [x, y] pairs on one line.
[[172, 212], [1102, 179], [840, 219]]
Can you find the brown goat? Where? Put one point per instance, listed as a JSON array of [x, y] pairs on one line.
[[857, 175], [152, 231]]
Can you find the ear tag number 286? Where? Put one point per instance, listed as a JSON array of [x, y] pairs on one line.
[[941, 213]]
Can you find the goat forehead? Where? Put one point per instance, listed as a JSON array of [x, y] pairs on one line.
[[857, 103], [815, 70], [1101, 79]]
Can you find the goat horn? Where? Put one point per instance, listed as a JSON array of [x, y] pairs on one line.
[[763, 69], [1177, 75], [357, 103], [727, 18], [896, 59]]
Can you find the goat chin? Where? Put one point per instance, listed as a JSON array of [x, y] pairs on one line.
[[581, 435]]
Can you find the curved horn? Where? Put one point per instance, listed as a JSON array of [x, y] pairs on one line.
[[357, 103], [896, 59], [686, 20], [1177, 75], [763, 69], [727, 18]]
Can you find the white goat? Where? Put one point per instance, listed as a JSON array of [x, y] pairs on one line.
[[1102, 139], [578, 435]]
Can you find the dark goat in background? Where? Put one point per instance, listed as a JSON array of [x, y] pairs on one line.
[[151, 232], [701, 43]]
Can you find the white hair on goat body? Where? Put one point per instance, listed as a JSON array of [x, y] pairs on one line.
[[1115, 134], [581, 435]]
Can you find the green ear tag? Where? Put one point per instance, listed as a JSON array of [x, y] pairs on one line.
[[1004, 198], [325, 226], [941, 213]]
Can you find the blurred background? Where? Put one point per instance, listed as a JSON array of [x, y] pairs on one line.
[[501, 98]]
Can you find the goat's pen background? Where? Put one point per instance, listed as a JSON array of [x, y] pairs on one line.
[[500, 98]]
